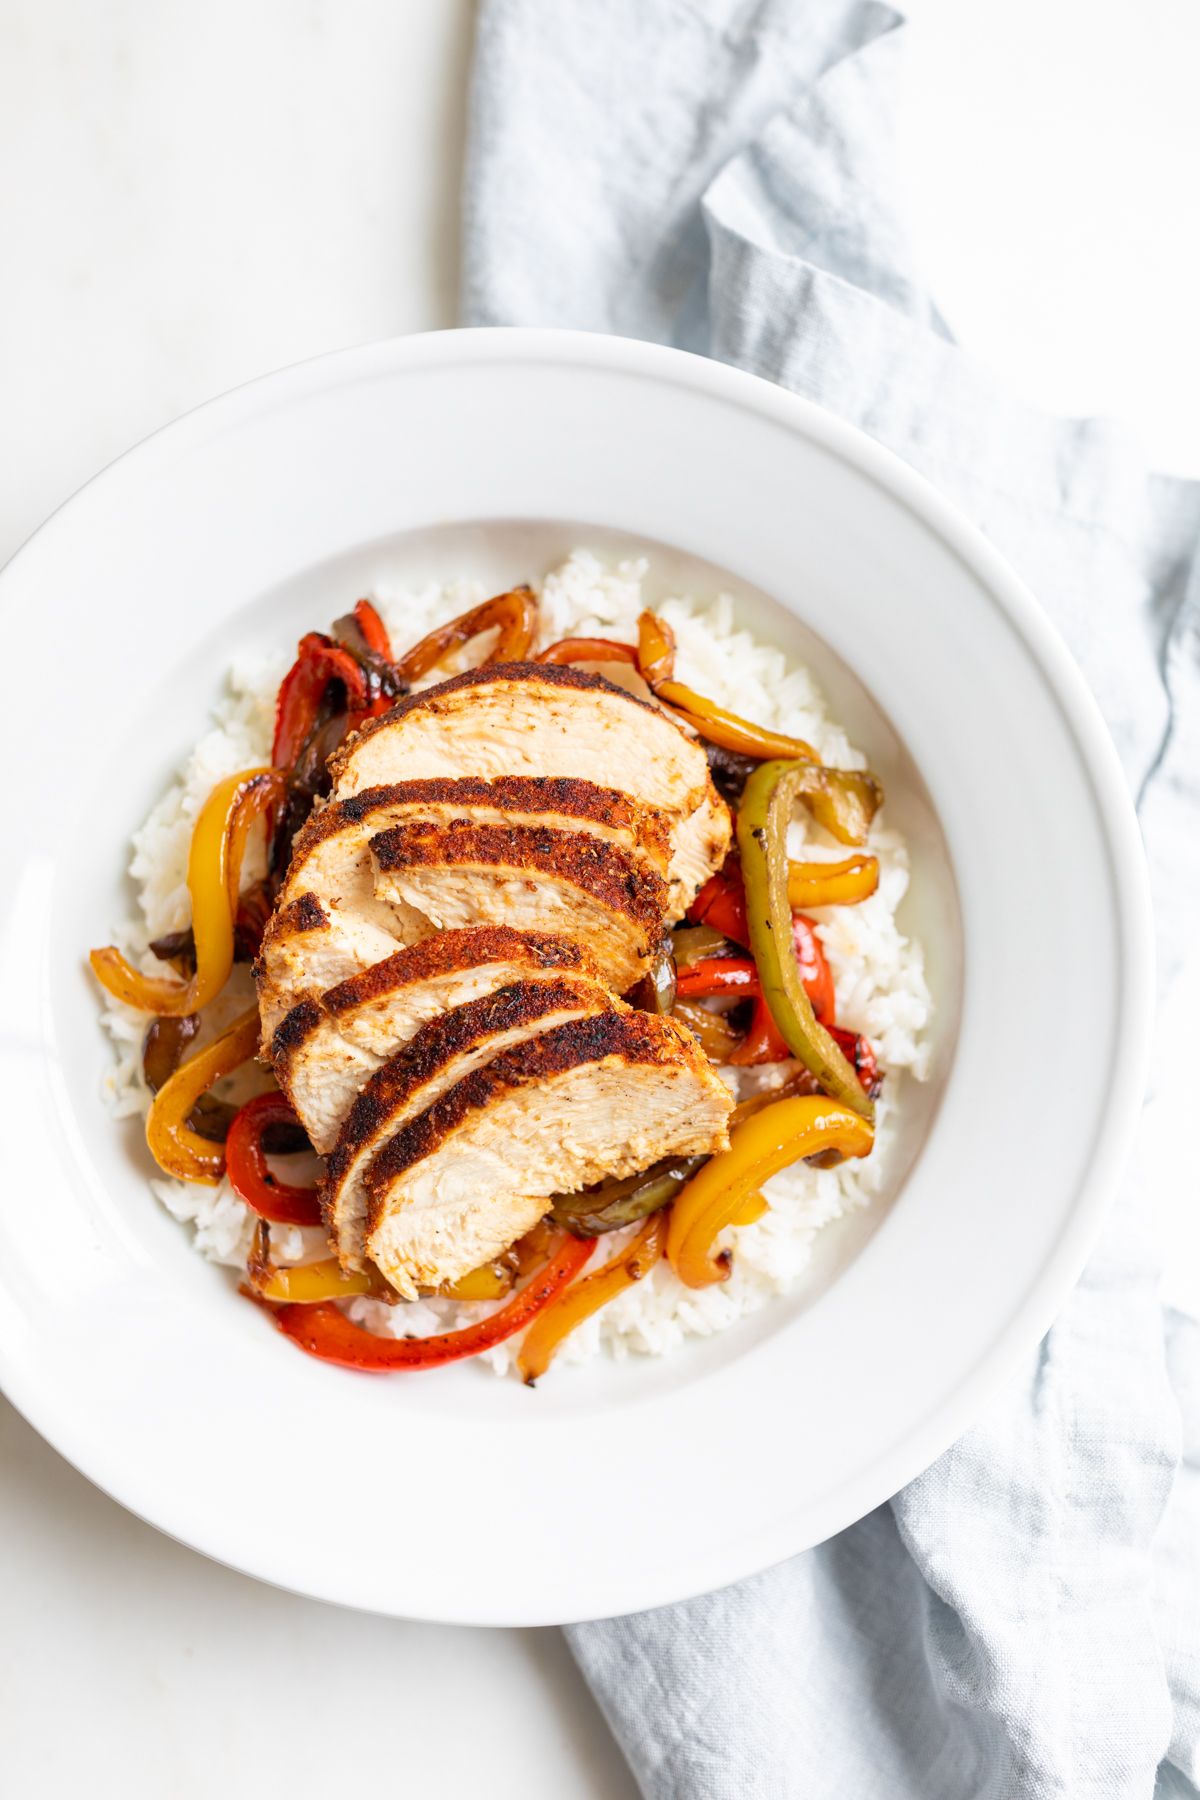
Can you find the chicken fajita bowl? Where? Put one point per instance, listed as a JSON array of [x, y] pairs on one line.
[[517, 977], [824, 1351]]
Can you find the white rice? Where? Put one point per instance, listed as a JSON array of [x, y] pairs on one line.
[[878, 972]]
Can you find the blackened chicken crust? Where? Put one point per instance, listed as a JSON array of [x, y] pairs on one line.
[[562, 796], [636, 1038], [447, 953], [438, 1043], [603, 871]]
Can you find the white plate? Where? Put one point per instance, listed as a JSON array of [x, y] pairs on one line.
[[455, 1496]]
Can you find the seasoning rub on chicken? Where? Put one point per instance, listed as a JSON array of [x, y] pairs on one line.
[[440, 985], [326, 1049], [606, 1095], [535, 719]]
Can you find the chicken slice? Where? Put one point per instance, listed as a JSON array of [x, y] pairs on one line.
[[308, 947], [532, 878], [604, 1096], [326, 1049], [330, 856], [535, 719], [701, 846], [441, 1053]]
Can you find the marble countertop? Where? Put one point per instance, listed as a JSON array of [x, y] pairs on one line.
[[197, 195]]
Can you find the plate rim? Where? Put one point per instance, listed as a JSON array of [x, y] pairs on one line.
[[1103, 1166]]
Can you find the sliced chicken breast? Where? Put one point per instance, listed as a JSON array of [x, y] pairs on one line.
[[441, 1053], [607, 1095], [701, 844], [326, 1049], [534, 719], [531, 878], [307, 948], [330, 857]]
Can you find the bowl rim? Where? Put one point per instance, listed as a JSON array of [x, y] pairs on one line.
[[1101, 1170]]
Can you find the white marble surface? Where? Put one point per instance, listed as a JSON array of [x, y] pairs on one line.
[[192, 195]]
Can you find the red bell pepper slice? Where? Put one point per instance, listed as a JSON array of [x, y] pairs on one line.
[[737, 975], [249, 1174], [861, 1056], [763, 1042], [728, 975], [814, 969], [373, 628], [601, 650], [721, 904], [328, 1334], [318, 662]]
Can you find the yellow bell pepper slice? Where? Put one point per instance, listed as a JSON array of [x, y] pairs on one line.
[[214, 874], [727, 729], [306, 1284], [831, 884], [176, 1148], [586, 1297], [491, 1281], [751, 1210], [759, 1147]]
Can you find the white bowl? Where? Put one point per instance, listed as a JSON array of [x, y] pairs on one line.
[[455, 1496]]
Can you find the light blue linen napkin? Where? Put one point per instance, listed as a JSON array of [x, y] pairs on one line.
[[1024, 1619]]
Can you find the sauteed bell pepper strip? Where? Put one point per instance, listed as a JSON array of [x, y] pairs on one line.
[[308, 1284], [759, 1147], [318, 662], [727, 729], [751, 1210], [716, 1036], [738, 976], [832, 884], [557, 1321], [373, 628], [655, 992], [249, 1173], [176, 1148], [304, 1284], [313, 1284], [490, 1281], [858, 1051], [624, 1201], [163, 1047], [762, 1042], [762, 840], [212, 872], [655, 649], [516, 615], [721, 905], [259, 798], [326, 1333], [844, 801], [814, 968], [730, 976], [583, 649], [694, 943]]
